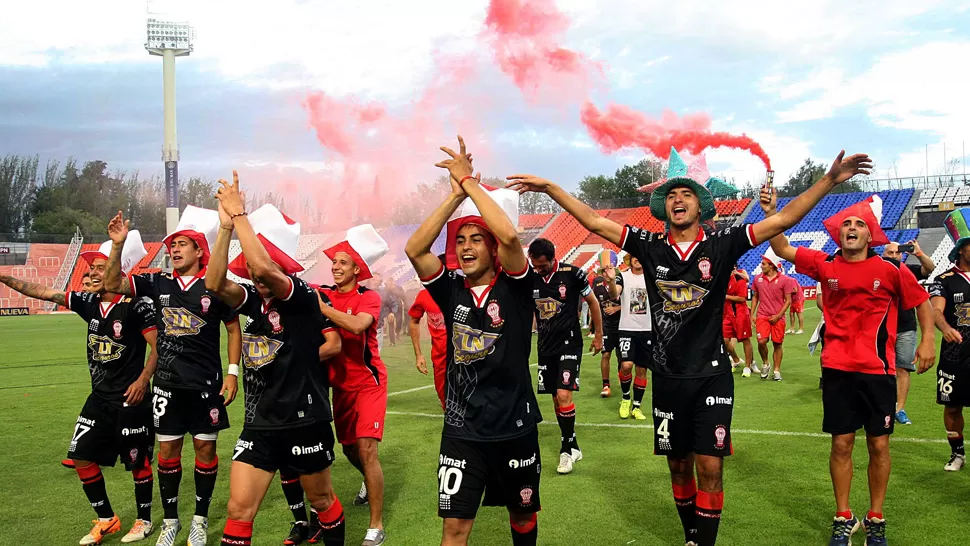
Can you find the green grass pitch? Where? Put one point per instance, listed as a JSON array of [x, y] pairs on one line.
[[777, 483]]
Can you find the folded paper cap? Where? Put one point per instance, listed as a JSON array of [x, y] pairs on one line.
[[606, 258], [468, 213], [131, 253], [870, 211], [772, 258], [200, 225], [957, 225], [364, 245], [679, 173], [279, 234]]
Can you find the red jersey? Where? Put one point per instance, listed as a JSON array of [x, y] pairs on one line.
[[359, 362], [424, 304], [799, 296], [737, 286], [861, 300], [771, 293]]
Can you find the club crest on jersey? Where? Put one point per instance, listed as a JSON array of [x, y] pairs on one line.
[[206, 301], [526, 495], [833, 284], [103, 349], [875, 285], [116, 327], [888, 421], [720, 434], [548, 308], [704, 265], [494, 311], [259, 351], [680, 296], [274, 319], [214, 415], [180, 322], [133, 454], [562, 291], [471, 345], [565, 377]]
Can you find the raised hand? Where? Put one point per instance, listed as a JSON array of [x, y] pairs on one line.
[[224, 219], [460, 164], [844, 168], [768, 201], [609, 272], [523, 183], [231, 200], [118, 228]]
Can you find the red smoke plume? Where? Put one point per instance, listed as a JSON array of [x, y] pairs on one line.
[[622, 127]]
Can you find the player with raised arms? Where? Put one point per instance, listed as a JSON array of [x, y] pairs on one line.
[[490, 441], [189, 391], [116, 420], [689, 271], [287, 420]]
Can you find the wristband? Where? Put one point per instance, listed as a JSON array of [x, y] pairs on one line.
[[233, 370], [233, 216], [462, 181], [918, 254]]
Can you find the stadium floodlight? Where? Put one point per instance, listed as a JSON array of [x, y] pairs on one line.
[[169, 39]]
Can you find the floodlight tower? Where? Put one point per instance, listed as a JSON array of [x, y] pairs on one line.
[[169, 39]]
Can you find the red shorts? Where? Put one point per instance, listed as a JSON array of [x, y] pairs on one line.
[[766, 330], [359, 413], [737, 326], [439, 378], [798, 306]]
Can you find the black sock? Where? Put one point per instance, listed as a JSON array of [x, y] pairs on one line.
[[293, 492], [566, 415], [92, 481], [205, 484], [626, 381], [525, 535], [144, 483], [169, 477], [332, 524], [956, 444], [708, 517], [639, 388], [606, 382], [685, 497]]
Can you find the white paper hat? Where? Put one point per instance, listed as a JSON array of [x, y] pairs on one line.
[[279, 234], [468, 213], [773, 258], [200, 225], [131, 253], [364, 245]]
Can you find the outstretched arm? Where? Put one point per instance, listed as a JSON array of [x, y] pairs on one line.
[[215, 277], [418, 247], [843, 168], [607, 229], [34, 290], [262, 266], [779, 243], [510, 253], [114, 281]]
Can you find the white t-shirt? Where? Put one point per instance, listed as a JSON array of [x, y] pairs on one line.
[[634, 303]]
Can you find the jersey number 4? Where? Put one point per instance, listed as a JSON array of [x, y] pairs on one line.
[[662, 430]]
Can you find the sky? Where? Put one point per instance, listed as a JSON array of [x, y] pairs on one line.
[[805, 79]]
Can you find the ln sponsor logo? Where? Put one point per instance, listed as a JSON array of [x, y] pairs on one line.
[[259, 351], [471, 345], [680, 296], [181, 322], [548, 308]]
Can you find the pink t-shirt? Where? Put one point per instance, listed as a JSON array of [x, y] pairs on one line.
[[771, 293], [799, 294]]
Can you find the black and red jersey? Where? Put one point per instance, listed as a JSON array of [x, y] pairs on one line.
[[557, 299], [189, 346], [488, 391], [116, 343], [601, 289], [285, 382]]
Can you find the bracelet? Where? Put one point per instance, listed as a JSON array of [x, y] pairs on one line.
[[233, 370], [466, 177], [233, 216], [918, 254]]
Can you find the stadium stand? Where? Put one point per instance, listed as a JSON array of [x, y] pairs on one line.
[[42, 265]]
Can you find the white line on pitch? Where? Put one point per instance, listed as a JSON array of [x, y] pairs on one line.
[[734, 431], [423, 387]]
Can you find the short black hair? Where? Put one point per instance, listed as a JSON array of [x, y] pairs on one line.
[[542, 247], [86, 275]]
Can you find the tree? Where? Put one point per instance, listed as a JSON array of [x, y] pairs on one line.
[[620, 190], [63, 221], [18, 178]]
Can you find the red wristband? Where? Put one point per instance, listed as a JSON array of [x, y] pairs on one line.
[[462, 181]]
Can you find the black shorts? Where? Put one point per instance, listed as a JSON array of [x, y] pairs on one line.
[[104, 432], [182, 411], [559, 371], [610, 339], [298, 451], [953, 387], [692, 415], [505, 472], [636, 347], [853, 400]]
